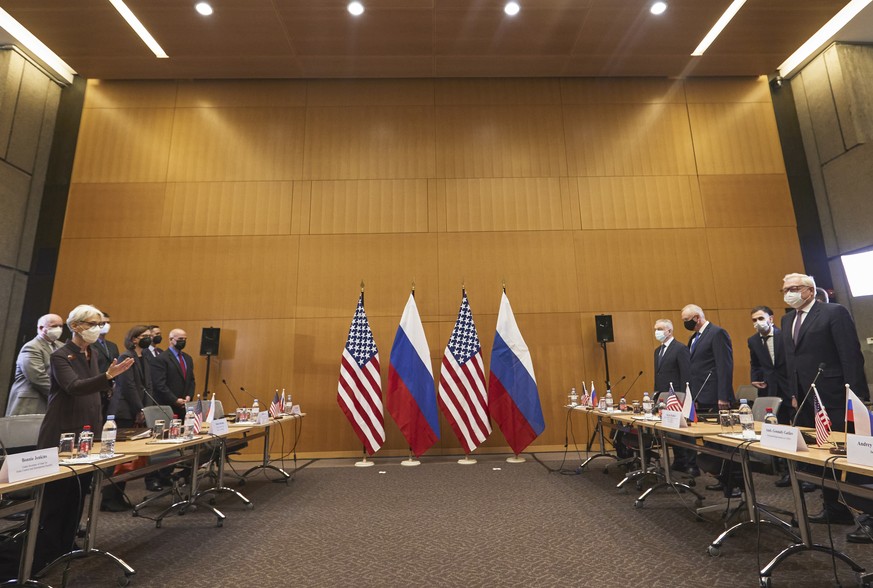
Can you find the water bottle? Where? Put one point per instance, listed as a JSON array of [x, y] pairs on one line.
[[647, 406], [188, 427], [255, 410], [288, 404], [107, 437], [622, 404], [770, 418], [747, 421], [86, 442], [609, 403], [573, 397]]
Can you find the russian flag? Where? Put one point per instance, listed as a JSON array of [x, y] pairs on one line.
[[857, 412], [688, 410], [411, 396], [593, 395], [513, 399]]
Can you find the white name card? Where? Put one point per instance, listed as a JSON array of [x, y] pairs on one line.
[[219, 427], [30, 464], [859, 449], [673, 419], [295, 410], [263, 417], [782, 437]]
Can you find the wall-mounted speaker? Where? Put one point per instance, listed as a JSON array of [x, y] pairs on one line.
[[209, 341], [603, 326]]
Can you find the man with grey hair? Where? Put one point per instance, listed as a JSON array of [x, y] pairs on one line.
[[821, 341], [30, 389], [672, 359]]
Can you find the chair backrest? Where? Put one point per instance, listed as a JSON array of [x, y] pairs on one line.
[[19, 433], [748, 392], [759, 408], [219, 409], [154, 413], [663, 396]]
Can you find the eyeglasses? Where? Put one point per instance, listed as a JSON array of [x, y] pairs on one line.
[[794, 289], [92, 325]]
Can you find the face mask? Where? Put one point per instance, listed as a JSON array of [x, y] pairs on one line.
[[156, 340], [690, 324], [660, 335], [105, 329], [180, 345], [144, 342], [793, 299], [90, 335], [52, 334], [762, 326]]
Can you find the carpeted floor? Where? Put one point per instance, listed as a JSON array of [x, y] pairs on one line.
[[444, 524]]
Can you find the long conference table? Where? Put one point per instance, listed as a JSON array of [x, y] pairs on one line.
[[709, 438], [162, 454]]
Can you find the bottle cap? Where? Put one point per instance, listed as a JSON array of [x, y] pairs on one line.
[[87, 427], [110, 417]]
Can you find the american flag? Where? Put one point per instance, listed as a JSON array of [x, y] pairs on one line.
[[585, 398], [276, 406], [673, 401], [462, 394], [822, 421], [198, 416], [359, 392]]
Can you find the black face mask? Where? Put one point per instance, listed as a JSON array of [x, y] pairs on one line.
[[690, 324], [180, 345], [144, 342], [157, 339]]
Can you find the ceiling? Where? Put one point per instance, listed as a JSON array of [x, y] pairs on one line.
[[421, 38]]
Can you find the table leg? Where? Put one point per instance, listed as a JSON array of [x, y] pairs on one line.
[[598, 432], [220, 487], [265, 462]]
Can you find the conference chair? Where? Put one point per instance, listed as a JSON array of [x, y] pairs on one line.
[[152, 414], [748, 392], [18, 433], [762, 403]]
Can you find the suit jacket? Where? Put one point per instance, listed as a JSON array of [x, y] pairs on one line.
[[763, 368], [169, 383], [105, 355], [827, 335], [74, 400], [30, 389], [712, 353], [132, 388], [674, 367]]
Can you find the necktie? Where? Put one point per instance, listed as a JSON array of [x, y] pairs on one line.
[[661, 354], [797, 322], [768, 345], [694, 341], [182, 365]]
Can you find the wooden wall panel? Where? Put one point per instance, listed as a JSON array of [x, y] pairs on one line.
[[643, 269], [322, 93], [720, 91], [129, 210], [628, 140], [227, 208], [130, 94], [747, 201], [229, 93], [497, 91], [237, 144], [369, 206], [736, 138], [503, 204], [499, 141], [123, 145], [369, 143], [622, 91], [332, 267], [640, 202]]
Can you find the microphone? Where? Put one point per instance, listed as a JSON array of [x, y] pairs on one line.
[[633, 383], [170, 416], [702, 386], [223, 381], [610, 388], [249, 395], [821, 368]]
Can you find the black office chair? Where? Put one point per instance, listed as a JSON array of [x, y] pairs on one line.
[[18, 434]]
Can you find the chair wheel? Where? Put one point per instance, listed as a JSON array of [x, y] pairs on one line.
[[123, 581], [639, 485], [158, 524], [766, 582], [220, 523], [639, 503], [250, 506], [713, 550]]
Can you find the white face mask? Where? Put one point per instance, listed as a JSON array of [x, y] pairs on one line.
[[794, 299], [762, 326], [105, 329], [660, 335], [90, 335], [52, 334]]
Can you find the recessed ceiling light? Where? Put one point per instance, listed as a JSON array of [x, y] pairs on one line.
[[203, 8], [356, 8], [658, 8], [511, 8]]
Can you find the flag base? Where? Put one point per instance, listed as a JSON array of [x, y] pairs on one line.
[[467, 460], [515, 459], [364, 463], [410, 462]]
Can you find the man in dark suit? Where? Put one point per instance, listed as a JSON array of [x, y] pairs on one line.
[[820, 339], [173, 374], [154, 350], [106, 351], [767, 361], [672, 359]]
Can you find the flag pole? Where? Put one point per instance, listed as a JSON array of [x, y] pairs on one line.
[[410, 461], [364, 463], [467, 460], [515, 459]]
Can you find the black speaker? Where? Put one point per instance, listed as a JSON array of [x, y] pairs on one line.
[[603, 325], [209, 341]]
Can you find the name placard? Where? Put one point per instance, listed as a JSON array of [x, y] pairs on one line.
[[859, 449], [29, 464], [219, 427], [263, 417], [295, 410], [673, 419], [782, 437]]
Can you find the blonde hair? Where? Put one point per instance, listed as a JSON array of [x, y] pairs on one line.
[[804, 279], [82, 313]]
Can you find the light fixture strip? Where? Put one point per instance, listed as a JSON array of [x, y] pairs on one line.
[[138, 28], [35, 46], [718, 27], [823, 35]]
